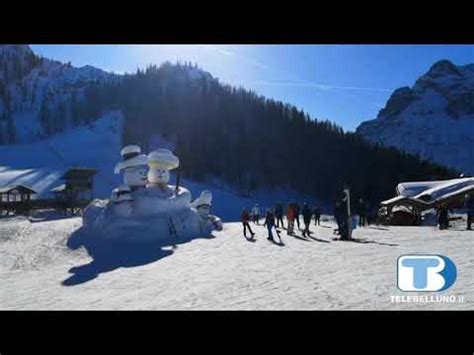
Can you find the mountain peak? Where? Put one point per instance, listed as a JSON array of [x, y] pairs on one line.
[[443, 67], [434, 118]]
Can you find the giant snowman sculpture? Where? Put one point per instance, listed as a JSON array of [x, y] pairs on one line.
[[146, 208]]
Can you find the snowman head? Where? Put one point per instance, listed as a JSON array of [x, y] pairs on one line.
[[204, 210], [159, 176], [161, 161], [135, 176]]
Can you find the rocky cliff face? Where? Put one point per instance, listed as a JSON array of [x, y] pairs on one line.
[[434, 118]]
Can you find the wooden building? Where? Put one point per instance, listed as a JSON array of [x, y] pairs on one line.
[[77, 190], [15, 199]]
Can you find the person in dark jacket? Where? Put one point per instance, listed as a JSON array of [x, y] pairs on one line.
[[245, 217], [297, 214], [317, 216], [362, 212], [290, 217], [270, 224], [343, 219], [470, 210], [443, 216], [279, 214], [306, 212]]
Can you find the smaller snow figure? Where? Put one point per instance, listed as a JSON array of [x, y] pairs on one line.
[[133, 166], [203, 207]]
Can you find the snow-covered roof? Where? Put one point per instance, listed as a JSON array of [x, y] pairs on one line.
[[428, 193], [21, 188], [59, 188], [446, 189]]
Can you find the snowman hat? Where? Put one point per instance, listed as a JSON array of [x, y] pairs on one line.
[[204, 199], [163, 158], [130, 151], [131, 158], [139, 160]]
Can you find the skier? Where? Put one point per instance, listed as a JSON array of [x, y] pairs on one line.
[[470, 210], [297, 214], [245, 217], [279, 214], [317, 216], [306, 219], [255, 213], [443, 216], [290, 216], [270, 224], [362, 211]]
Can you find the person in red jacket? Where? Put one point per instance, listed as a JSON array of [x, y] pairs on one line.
[[245, 218], [291, 215]]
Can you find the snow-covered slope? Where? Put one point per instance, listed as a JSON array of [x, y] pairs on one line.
[[38, 271], [38, 92], [434, 118], [41, 164]]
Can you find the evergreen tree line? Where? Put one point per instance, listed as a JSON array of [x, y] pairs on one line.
[[247, 140]]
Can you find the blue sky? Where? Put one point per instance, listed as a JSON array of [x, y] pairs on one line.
[[346, 84]]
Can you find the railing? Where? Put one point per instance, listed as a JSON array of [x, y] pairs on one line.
[[24, 207]]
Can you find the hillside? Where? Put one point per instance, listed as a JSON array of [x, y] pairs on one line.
[[434, 118], [244, 141], [39, 96]]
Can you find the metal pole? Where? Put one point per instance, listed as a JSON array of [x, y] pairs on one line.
[[349, 217]]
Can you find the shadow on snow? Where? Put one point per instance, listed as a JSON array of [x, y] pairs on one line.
[[108, 255]]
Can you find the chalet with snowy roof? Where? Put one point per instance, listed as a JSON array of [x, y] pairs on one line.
[[415, 197]]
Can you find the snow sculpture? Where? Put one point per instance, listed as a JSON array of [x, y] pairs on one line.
[[203, 207], [133, 166], [145, 207]]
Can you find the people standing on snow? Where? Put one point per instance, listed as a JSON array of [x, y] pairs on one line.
[[245, 217], [297, 214], [306, 219], [317, 216], [269, 223], [362, 212], [344, 218], [290, 216], [255, 213], [443, 216], [470, 210], [279, 214]]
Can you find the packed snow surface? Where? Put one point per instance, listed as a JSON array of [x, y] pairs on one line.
[[39, 271]]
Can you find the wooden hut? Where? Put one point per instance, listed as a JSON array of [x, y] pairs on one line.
[[77, 190], [15, 199]]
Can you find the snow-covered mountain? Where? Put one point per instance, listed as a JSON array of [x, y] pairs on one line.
[[434, 118], [38, 95]]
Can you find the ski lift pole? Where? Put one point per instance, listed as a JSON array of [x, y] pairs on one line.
[[349, 217]]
